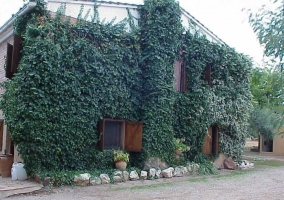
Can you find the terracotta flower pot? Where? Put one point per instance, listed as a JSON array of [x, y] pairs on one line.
[[121, 165], [178, 151]]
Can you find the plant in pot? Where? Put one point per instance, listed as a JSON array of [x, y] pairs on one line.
[[120, 158], [180, 147]]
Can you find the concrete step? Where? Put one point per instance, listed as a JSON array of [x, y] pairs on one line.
[[9, 191]]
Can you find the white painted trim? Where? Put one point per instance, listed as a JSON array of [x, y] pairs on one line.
[[7, 35], [9, 23], [203, 28], [99, 4]]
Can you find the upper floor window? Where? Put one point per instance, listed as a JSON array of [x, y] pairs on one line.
[[13, 56], [180, 76], [208, 77]]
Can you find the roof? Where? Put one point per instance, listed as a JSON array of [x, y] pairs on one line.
[[30, 5], [6, 29]]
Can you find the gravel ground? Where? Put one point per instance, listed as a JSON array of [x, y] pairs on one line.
[[263, 183]]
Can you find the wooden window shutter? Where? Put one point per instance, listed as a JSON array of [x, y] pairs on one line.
[[208, 74], [16, 53], [101, 135], [177, 73], [9, 61], [133, 136], [183, 77], [1, 132]]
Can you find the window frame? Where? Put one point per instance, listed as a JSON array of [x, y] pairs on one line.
[[131, 138]]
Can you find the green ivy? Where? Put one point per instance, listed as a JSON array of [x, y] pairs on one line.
[[73, 75], [70, 77], [225, 103], [160, 23]]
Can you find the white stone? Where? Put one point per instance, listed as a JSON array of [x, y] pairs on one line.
[[125, 176], [152, 172], [168, 173], [178, 172], [117, 179], [133, 176], [183, 170], [105, 179], [82, 179], [158, 173], [189, 167], [95, 181], [143, 175], [118, 173]]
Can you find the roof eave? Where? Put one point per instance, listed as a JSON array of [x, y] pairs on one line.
[[7, 29]]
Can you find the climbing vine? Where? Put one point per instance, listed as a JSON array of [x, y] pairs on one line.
[[225, 102], [161, 30], [72, 75]]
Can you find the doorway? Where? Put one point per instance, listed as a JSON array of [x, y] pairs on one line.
[[267, 144], [211, 141]]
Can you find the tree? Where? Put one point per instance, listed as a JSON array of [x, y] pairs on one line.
[[267, 88], [269, 27]]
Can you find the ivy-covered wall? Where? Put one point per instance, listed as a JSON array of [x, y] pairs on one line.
[[226, 102], [160, 42], [73, 75]]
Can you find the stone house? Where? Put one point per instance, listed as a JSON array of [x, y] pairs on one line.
[[10, 45]]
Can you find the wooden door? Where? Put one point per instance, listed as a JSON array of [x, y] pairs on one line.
[[207, 146], [133, 136], [211, 141]]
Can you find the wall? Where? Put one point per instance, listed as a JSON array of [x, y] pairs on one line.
[[107, 11], [118, 11], [278, 145], [3, 52]]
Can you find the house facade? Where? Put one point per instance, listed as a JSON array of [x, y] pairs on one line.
[[132, 88], [108, 11]]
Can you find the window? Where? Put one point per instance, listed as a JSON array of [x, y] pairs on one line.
[[208, 75], [9, 61], [120, 134], [180, 76], [1, 133], [13, 56]]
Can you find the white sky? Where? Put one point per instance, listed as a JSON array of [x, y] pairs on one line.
[[222, 17]]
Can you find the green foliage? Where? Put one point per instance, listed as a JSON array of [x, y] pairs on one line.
[[266, 122], [268, 97], [268, 26], [70, 77], [180, 145], [73, 75], [120, 155], [267, 87], [225, 103], [207, 168], [161, 30]]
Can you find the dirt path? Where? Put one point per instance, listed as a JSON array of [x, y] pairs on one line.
[[264, 183]]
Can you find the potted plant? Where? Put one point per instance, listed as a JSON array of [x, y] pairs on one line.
[[120, 159], [180, 146]]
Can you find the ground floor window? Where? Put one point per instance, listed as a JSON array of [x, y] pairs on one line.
[[120, 134]]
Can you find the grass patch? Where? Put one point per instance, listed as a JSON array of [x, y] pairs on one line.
[[153, 186], [269, 163], [232, 175], [198, 179], [145, 187]]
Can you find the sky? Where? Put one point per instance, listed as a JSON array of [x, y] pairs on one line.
[[225, 18]]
